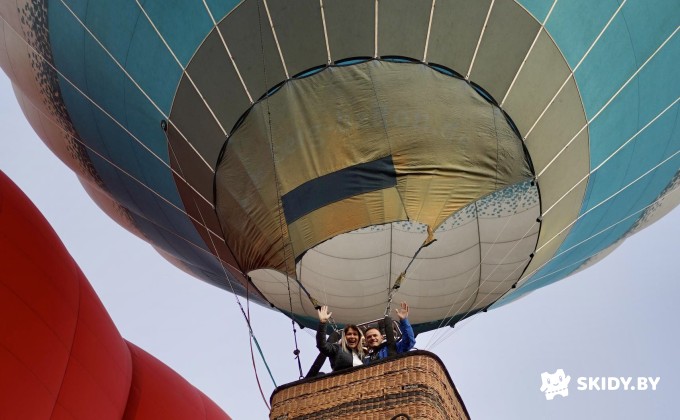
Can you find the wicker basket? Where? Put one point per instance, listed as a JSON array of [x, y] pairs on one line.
[[414, 385]]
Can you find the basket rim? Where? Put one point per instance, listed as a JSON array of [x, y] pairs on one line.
[[389, 359]]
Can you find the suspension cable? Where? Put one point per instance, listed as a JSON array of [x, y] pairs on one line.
[[279, 206], [233, 291], [397, 283], [557, 255], [252, 355], [446, 319]]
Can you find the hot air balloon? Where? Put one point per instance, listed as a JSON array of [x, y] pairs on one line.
[[454, 154], [61, 355]]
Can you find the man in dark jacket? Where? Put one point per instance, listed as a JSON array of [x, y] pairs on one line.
[[377, 348]]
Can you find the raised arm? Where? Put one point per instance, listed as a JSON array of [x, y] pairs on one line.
[[408, 339], [321, 343]]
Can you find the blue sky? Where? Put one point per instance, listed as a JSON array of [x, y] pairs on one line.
[[614, 319]]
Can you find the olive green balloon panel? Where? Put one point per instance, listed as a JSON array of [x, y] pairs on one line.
[[453, 154]]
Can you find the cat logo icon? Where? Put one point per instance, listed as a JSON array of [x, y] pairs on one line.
[[555, 384]]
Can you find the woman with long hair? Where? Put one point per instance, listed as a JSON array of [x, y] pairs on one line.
[[350, 351]]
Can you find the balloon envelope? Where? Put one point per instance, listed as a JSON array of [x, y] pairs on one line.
[[303, 152]]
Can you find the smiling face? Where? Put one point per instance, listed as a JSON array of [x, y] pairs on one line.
[[373, 338], [352, 337]]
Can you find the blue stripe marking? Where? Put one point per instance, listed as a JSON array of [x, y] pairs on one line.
[[354, 180]]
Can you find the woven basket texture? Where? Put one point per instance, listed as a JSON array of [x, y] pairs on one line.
[[412, 386]]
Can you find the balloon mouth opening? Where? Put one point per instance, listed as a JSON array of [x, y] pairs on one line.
[[473, 262]]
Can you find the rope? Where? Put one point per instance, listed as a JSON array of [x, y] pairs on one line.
[[296, 352], [257, 378], [439, 340], [445, 321], [451, 332], [266, 365], [397, 283], [390, 292], [252, 356], [231, 286]]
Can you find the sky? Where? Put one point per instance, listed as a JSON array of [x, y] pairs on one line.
[[616, 319]]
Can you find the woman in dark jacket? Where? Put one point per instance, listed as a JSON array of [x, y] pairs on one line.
[[349, 352]]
